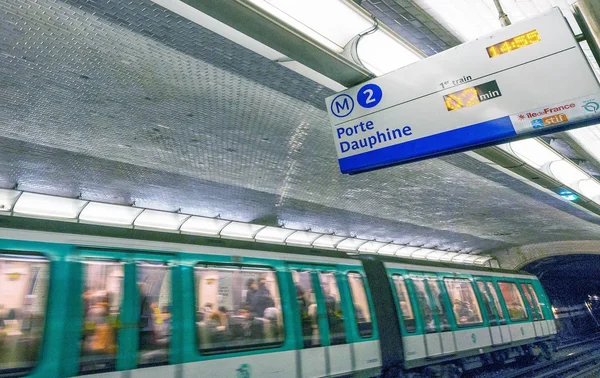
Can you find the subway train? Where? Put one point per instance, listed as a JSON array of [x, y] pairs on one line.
[[73, 304]]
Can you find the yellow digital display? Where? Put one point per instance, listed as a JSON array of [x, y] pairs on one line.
[[514, 43], [472, 95], [462, 99]]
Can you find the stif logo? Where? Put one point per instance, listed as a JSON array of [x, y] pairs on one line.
[[538, 123]]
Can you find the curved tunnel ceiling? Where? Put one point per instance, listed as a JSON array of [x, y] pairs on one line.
[[126, 102]]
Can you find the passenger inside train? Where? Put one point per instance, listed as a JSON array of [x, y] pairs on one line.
[[23, 291], [247, 308]]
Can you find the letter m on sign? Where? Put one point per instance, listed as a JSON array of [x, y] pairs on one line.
[[342, 104]]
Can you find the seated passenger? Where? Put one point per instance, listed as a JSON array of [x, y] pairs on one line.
[[253, 328], [272, 314], [221, 317], [515, 311], [462, 311], [360, 316]]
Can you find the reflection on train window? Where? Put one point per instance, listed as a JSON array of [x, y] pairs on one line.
[[102, 297], [154, 287], [487, 303], [424, 305], [405, 306], [497, 306], [439, 308], [23, 292], [534, 305], [333, 308], [361, 304], [513, 300], [464, 303], [536, 302], [237, 308], [305, 296]]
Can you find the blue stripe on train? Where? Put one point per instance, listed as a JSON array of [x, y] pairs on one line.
[[457, 139]]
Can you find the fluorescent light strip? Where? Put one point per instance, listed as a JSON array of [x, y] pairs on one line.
[[379, 51], [160, 220], [76, 210], [48, 207], [351, 244], [302, 238], [328, 241], [7, 199], [273, 234], [242, 231], [107, 214], [371, 247], [202, 19], [203, 226], [540, 156]]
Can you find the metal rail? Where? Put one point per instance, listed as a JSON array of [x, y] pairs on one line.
[[558, 365], [584, 341]]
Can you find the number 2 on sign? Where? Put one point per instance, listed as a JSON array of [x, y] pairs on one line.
[[462, 99]]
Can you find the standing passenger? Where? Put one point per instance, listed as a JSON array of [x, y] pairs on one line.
[[251, 294], [263, 299]]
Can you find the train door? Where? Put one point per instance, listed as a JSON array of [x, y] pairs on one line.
[[126, 303], [499, 331], [540, 326], [325, 350], [439, 340]]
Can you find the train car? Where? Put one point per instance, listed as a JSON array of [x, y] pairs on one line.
[[113, 307]]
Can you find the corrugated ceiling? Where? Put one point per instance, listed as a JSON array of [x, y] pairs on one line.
[[124, 101]]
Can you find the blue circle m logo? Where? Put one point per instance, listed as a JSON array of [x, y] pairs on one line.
[[342, 105]]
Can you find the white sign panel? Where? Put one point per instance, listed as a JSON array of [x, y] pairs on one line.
[[530, 77]]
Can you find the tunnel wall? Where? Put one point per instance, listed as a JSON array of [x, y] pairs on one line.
[[517, 257]]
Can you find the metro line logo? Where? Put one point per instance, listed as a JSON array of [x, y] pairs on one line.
[[342, 105], [549, 121]]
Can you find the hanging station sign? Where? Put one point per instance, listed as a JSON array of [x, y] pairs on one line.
[[528, 78]]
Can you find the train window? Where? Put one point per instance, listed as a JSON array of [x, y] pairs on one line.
[[154, 287], [237, 308], [305, 296], [487, 303], [408, 316], [536, 302], [361, 304], [439, 309], [23, 297], [424, 305], [534, 305], [102, 297], [464, 303], [513, 300], [496, 301], [333, 308]]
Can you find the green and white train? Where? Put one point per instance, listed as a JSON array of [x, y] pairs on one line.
[[114, 307]]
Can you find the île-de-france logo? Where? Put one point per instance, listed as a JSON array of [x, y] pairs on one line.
[[591, 106], [244, 371]]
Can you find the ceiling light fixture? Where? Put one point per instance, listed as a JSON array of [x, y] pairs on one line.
[[159, 220], [108, 214], [48, 207]]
